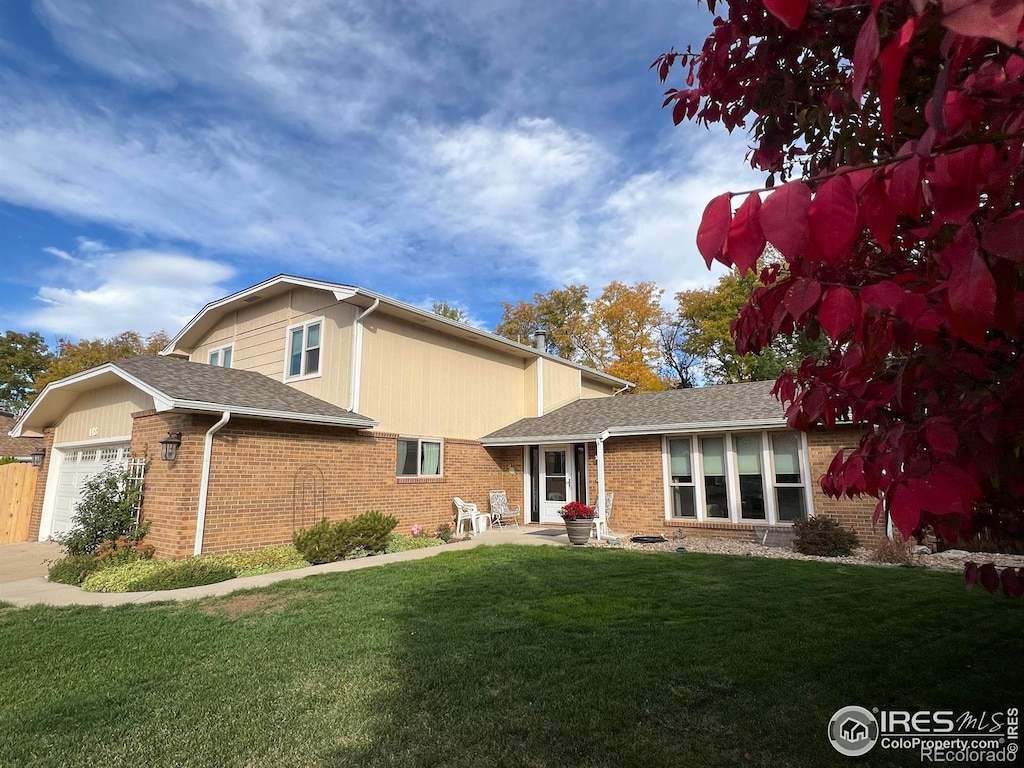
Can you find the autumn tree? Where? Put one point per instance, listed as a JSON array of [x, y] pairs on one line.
[[444, 309], [560, 312], [618, 332], [23, 356], [706, 316], [897, 129], [74, 357]]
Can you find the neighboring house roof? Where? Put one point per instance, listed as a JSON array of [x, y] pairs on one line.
[[18, 447], [197, 328], [176, 384], [701, 409]]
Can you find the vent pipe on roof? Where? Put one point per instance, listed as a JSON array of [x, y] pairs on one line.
[[540, 339]]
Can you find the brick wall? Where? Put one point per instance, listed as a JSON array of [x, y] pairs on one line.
[[851, 513], [268, 480], [35, 520]]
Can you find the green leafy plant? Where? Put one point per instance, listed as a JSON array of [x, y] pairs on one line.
[[4, 460], [824, 537], [107, 511], [326, 542], [73, 569], [123, 550], [444, 532], [399, 543], [256, 562], [147, 575]]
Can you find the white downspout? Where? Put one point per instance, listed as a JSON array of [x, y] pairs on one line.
[[204, 483], [356, 366], [600, 482]]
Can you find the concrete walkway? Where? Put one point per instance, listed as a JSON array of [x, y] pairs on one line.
[[39, 591]]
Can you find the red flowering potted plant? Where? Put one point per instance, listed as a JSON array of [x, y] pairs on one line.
[[579, 519]]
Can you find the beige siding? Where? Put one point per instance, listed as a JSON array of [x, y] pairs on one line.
[[530, 388], [419, 382], [258, 334], [101, 414], [593, 389], [561, 385]]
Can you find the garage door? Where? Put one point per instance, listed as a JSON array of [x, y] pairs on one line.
[[77, 467]]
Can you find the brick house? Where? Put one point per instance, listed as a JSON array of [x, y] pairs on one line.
[[297, 399]]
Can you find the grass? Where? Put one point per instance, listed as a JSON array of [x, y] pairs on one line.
[[507, 656]]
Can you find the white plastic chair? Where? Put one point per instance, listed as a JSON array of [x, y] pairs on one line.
[[467, 511], [601, 530], [501, 511]]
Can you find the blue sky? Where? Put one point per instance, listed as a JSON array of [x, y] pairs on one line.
[[155, 156]]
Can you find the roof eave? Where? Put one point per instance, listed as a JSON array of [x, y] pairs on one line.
[[649, 429], [272, 415]]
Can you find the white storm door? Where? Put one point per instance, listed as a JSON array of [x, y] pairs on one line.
[[555, 481]]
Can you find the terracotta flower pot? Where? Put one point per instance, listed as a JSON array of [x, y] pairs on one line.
[[578, 530]]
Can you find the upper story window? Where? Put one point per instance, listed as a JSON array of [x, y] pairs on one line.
[[220, 356], [303, 341], [419, 458]]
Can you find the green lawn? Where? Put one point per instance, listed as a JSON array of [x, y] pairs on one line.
[[507, 656]]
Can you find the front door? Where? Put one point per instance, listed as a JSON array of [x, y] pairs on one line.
[[556, 475]]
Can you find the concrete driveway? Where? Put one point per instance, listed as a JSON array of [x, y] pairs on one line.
[[26, 560]]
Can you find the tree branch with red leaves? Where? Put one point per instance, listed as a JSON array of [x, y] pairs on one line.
[[903, 236]]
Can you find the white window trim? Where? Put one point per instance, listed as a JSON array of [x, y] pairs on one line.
[[219, 351], [288, 349], [733, 479], [419, 452]]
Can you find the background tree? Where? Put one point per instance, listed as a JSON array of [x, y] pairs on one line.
[[444, 309], [74, 357], [706, 318], [22, 357], [561, 312], [903, 238]]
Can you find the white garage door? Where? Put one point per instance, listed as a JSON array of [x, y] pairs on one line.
[[77, 467]]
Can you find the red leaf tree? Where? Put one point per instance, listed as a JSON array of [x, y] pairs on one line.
[[897, 129]]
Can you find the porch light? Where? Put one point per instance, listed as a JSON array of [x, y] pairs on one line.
[[37, 457], [169, 446]]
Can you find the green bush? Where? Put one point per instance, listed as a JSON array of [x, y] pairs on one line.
[[107, 511], [73, 569], [7, 460], [364, 535], [824, 537], [149, 575], [319, 543]]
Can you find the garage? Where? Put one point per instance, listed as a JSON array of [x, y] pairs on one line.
[[77, 466]]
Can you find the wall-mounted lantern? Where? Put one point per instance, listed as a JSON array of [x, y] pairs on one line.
[[37, 457], [169, 446]]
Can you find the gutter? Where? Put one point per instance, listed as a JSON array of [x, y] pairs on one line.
[[356, 365], [204, 483], [650, 429]]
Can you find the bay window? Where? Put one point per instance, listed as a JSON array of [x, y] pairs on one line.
[[736, 477]]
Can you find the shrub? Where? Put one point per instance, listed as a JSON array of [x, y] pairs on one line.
[[364, 535], [4, 460], [319, 543], [124, 550], [147, 575], [73, 569], [107, 511], [895, 551], [444, 532], [824, 537]]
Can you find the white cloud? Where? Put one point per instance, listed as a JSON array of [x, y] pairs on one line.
[[138, 290]]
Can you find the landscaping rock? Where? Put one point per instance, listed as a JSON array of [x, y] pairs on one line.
[[956, 554]]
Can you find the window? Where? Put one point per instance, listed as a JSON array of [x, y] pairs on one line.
[[221, 357], [789, 487], [684, 502], [716, 488], [748, 465], [419, 458], [736, 477], [304, 350]]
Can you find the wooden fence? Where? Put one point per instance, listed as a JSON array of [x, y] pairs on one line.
[[17, 488]]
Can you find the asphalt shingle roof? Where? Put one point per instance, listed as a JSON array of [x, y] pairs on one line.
[[228, 387], [723, 404], [15, 446]]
